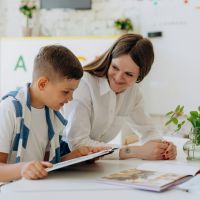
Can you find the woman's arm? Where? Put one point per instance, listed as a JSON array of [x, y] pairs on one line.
[[152, 150], [144, 125], [140, 121]]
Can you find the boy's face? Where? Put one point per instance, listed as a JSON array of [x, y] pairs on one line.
[[56, 94]]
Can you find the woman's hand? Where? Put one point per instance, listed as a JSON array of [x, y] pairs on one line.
[[153, 150], [171, 152], [35, 169], [158, 150]]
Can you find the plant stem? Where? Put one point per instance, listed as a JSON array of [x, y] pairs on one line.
[[27, 22]]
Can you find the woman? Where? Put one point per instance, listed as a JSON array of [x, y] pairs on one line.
[[108, 97]]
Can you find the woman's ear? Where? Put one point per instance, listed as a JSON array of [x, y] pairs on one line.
[[42, 82]]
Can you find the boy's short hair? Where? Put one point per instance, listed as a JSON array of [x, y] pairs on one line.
[[57, 62]]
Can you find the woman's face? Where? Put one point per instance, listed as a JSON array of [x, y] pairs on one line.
[[122, 73]]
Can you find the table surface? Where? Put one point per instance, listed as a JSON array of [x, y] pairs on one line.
[[80, 181]]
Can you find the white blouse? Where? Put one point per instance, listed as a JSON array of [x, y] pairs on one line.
[[96, 114]]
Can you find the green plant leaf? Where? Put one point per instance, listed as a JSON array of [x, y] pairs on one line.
[[192, 121], [181, 109], [175, 121], [169, 113], [123, 24], [177, 108], [183, 122], [178, 127], [168, 122], [194, 114], [193, 117]]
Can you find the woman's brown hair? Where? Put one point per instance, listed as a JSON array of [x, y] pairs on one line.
[[140, 50]]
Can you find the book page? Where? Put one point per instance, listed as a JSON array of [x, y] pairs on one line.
[[177, 168]]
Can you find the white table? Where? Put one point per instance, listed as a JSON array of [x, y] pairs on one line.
[[79, 182]]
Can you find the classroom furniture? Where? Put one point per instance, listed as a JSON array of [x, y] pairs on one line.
[[80, 182]]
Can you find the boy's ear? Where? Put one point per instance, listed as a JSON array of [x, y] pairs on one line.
[[42, 82]]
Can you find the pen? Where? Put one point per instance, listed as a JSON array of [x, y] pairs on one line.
[[182, 189]]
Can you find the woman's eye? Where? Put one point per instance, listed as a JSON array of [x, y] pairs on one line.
[[115, 68], [131, 75], [65, 92]]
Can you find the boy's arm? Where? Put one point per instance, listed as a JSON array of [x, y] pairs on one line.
[[28, 170], [9, 172]]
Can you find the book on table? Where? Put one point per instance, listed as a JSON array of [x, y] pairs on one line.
[[155, 176], [80, 159]]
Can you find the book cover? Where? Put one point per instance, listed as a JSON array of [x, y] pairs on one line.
[[80, 159]]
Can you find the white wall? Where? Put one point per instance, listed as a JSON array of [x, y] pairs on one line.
[[62, 22], [3, 17], [16, 68], [175, 74]]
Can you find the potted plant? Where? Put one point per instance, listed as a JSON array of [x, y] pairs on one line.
[[191, 147], [27, 8], [123, 24]]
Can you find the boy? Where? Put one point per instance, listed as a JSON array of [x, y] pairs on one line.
[[30, 124]]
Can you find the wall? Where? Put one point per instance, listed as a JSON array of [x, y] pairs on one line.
[[3, 11], [19, 66], [175, 73], [62, 22]]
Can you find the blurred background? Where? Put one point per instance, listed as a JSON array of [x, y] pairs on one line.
[[89, 27]]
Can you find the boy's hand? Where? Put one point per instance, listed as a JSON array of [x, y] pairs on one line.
[[35, 169], [83, 151]]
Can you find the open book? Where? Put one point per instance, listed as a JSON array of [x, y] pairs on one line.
[[80, 159], [152, 176]]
